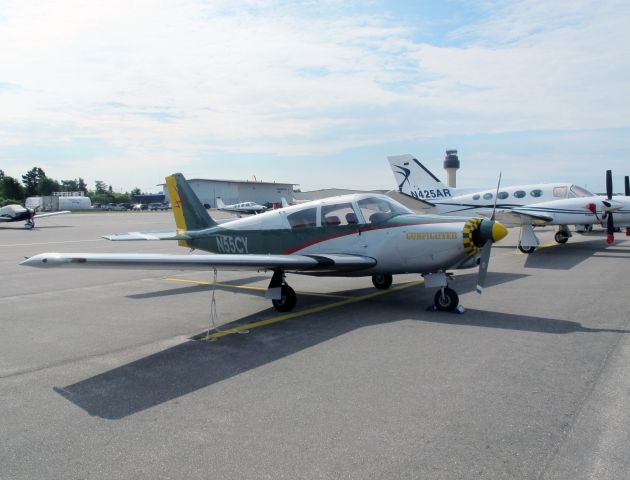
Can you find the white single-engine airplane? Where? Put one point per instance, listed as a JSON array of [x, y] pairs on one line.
[[524, 206], [351, 235], [249, 208], [16, 213]]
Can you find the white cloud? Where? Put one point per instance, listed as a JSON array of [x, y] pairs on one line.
[[158, 80]]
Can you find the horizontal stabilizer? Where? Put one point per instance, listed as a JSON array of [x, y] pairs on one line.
[[134, 236]]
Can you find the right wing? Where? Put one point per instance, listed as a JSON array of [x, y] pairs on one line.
[[298, 263]]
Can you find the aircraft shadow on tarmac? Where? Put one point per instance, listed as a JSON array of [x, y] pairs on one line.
[[194, 365], [565, 257], [228, 285]]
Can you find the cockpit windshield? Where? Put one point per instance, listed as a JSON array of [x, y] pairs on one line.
[[579, 192], [380, 209]]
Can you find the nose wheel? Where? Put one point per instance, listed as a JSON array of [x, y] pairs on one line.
[[526, 249], [446, 299]]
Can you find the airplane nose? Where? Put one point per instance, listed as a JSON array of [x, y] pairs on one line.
[[488, 231], [498, 232]]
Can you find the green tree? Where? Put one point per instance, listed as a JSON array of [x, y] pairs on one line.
[[82, 185], [1, 174], [135, 191], [100, 186], [46, 186], [69, 186], [11, 188], [31, 180]]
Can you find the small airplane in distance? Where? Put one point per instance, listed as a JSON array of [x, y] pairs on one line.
[[524, 206], [249, 208], [347, 236], [16, 213]]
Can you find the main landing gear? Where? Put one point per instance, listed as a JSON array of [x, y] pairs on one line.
[[287, 299], [282, 296], [561, 236], [382, 282]]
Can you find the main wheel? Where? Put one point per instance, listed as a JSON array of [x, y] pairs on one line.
[[526, 249], [287, 301], [382, 282], [446, 302], [561, 237]]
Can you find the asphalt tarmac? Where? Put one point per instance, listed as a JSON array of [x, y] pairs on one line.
[[106, 374]]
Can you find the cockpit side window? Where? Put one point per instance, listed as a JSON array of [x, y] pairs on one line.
[[560, 192], [338, 214], [579, 192], [306, 218]]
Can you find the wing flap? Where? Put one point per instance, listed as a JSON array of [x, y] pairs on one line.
[[332, 263]]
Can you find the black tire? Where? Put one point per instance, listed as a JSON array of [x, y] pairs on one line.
[[526, 249], [449, 302], [561, 237], [382, 282], [288, 300]]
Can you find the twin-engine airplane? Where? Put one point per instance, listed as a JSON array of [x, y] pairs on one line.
[[351, 235], [524, 206], [16, 213], [249, 208]]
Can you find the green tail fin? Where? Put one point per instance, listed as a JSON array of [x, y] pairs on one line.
[[188, 211]]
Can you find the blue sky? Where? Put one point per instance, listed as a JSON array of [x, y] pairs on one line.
[[316, 93]]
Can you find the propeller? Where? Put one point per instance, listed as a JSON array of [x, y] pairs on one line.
[[627, 192], [610, 223], [490, 231]]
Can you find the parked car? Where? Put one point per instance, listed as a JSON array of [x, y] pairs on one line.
[[153, 207], [114, 207]]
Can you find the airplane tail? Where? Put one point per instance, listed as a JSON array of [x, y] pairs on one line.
[[416, 180], [220, 203], [188, 211]]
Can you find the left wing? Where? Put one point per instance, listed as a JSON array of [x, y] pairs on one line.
[[150, 261]]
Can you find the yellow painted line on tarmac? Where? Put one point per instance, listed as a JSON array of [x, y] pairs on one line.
[[49, 243], [309, 311], [544, 245], [245, 287]]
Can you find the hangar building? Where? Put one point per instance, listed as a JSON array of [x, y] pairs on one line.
[[236, 191]]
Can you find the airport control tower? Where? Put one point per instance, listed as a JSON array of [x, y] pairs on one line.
[[451, 165]]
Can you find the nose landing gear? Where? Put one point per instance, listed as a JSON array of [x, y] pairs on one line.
[[446, 299]]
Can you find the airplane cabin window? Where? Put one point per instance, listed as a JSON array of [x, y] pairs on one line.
[[519, 194], [303, 218], [536, 193], [377, 209], [560, 192], [339, 214], [503, 195], [487, 196], [476, 196]]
